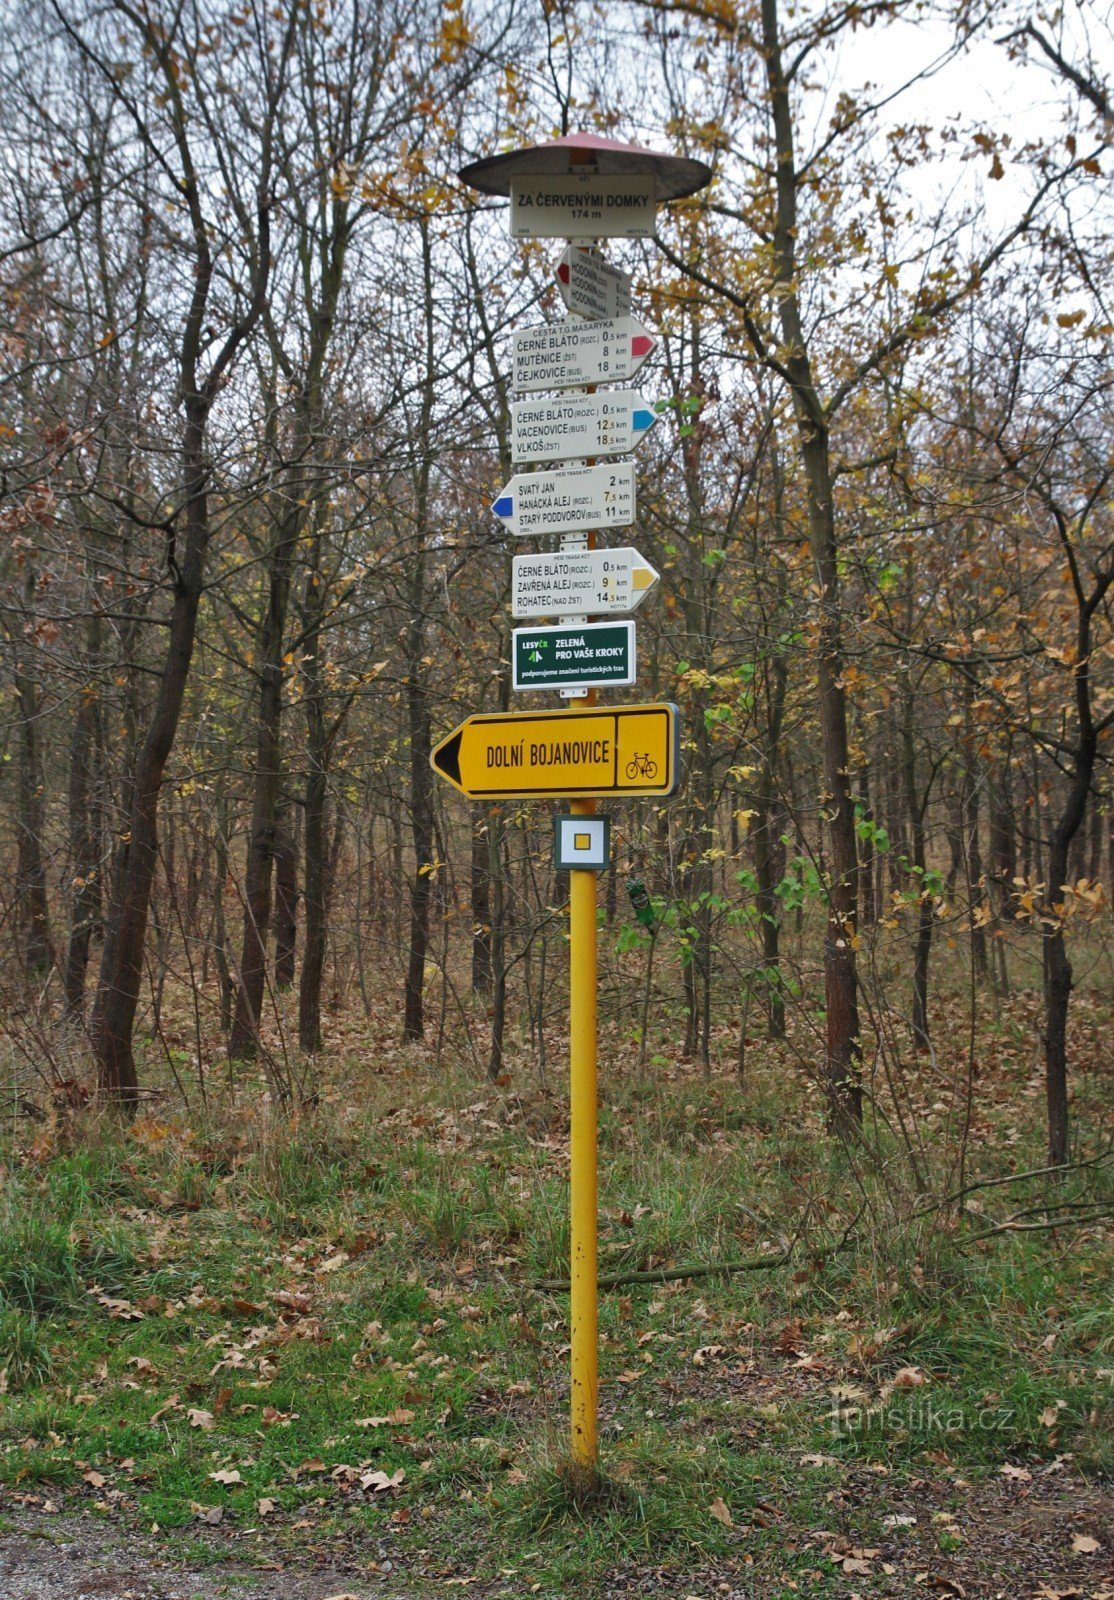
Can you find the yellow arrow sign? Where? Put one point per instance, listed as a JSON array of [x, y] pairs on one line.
[[601, 750]]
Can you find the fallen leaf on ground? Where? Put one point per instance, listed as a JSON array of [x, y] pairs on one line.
[[396, 1418], [200, 1419], [290, 1302], [909, 1378], [1018, 1474], [720, 1511], [210, 1514], [378, 1481], [706, 1353], [226, 1475], [272, 1417], [170, 1405], [1084, 1545], [121, 1310], [334, 1263], [266, 1506]]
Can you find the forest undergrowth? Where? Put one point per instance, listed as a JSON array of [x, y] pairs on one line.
[[335, 1333]]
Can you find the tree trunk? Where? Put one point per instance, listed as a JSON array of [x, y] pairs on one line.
[[122, 957], [85, 893], [315, 868], [498, 942], [915, 806], [417, 695], [972, 851], [868, 909], [32, 909], [1057, 967], [286, 897], [481, 907], [266, 792], [421, 815], [220, 930], [843, 1050], [1057, 993]]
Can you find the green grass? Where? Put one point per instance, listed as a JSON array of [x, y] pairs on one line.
[[283, 1282]]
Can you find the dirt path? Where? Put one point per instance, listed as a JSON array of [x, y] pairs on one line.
[[1042, 1539], [64, 1557]]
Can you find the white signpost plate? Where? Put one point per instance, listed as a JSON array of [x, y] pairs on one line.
[[564, 355], [574, 500], [583, 205], [610, 423], [567, 582], [591, 286]]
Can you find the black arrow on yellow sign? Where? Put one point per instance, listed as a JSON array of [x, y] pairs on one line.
[[599, 750]]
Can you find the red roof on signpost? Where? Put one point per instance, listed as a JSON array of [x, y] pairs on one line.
[[674, 176]]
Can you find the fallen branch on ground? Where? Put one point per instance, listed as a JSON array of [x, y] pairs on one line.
[[616, 1280]]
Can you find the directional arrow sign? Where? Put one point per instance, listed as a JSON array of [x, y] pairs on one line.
[[515, 755], [579, 656], [564, 582], [591, 286], [607, 424], [560, 355], [572, 501]]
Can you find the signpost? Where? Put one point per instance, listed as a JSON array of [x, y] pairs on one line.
[[590, 655], [530, 755], [570, 501], [580, 187], [591, 286], [609, 423], [583, 205], [606, 582], [560, 355]]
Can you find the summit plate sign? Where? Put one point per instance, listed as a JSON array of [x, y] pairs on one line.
[[583, 205]]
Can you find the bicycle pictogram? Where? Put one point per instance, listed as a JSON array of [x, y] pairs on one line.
[[641, 766]]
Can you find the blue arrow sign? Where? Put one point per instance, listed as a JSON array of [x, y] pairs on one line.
[[572, 500], [608, 423]]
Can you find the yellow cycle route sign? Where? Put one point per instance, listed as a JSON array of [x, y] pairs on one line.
[[600, 750]]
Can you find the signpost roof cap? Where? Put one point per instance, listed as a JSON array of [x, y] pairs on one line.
[[674, 176]]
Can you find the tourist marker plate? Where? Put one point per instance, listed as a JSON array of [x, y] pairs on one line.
[[607, 424], [597, 751], [566, 582], [582, 843], [583, 205], [561, 355], [573, 501], [591, 286], [585, 655]]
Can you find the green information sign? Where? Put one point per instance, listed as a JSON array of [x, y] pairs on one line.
[[585, 656]]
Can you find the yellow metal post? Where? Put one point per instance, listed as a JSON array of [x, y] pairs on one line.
[[583, 1308]]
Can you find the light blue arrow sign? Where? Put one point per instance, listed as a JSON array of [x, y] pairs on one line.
[[609, 423]]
